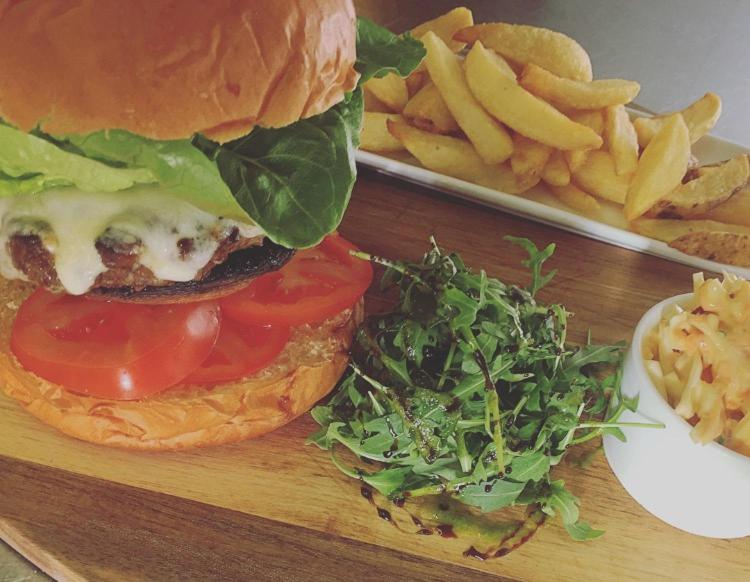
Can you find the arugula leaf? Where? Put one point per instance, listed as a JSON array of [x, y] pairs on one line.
[[179, 167], [563, 503], [491, 496], [380, 52], [33, 164], [468, 388]]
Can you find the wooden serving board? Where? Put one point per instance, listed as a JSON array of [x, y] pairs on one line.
[[273, 508]]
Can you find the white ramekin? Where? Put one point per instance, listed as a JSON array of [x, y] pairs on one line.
[[701, 489]]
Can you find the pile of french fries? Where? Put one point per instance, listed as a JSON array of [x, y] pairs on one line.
[[509, 106]]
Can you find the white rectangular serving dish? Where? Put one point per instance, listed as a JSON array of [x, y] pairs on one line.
[[540, 206]]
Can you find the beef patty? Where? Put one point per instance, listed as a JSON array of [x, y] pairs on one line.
[[121, 257]]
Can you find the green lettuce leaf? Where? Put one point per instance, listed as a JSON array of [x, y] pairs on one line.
[[295, 181], [34, 164], [179, 167], [380, 52]]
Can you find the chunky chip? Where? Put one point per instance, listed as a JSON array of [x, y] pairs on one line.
[[457, 158], [390, 90], [375, 136], [667, 230], [705, 192], [731, 248], [492, 142], [556, 172], [571, 195], [526, 114], [597, 176], [523, 44], [429, 105], [700, 117], [622, 141], [660, 169], [570, 94]]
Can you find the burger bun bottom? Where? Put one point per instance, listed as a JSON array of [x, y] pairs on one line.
[[184, 416]]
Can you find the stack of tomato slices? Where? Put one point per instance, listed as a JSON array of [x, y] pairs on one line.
[[127, 351]]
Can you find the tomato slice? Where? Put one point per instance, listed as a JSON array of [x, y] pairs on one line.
[[316, 284], [240, 351], [109, 350]]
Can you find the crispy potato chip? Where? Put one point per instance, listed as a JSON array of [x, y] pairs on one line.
[[529, 156], [708, 190], [520, 43], [456, 157], [660, 169], [556, 172], [491, 140], [372, 103], [736, 210], [597, 176], [730, 248], [428, 105], [390, 90], [700, 117], [622, 141], [570, 94], [446, 26], [668, 230], [520, 110], [576, 198], [375, 136]]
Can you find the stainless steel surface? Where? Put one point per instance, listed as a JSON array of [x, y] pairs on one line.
[[676, 49]]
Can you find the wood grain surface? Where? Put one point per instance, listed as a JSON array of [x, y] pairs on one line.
[[275, 509]]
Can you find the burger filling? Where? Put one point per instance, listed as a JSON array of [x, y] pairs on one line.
[[74, 241]]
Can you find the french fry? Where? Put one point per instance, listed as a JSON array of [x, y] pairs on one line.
[[598, 177], [667, 230], [570, 94], [556, 172], [575, 159], [591, 118], [416, 81], [576, 198], [446, 26], [736, 210], [529, 156], [492, 142], [520, 43], [391, 90], [708, 190], [700, 117], [428, 104], [660, 169], [456, 157], [622, 141], [374, 104], [730, 248], [520, 110], [375, 136]]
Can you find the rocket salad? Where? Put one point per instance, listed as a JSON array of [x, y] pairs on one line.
[[468, 388]]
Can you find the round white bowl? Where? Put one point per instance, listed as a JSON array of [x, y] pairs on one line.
[[701, 489]]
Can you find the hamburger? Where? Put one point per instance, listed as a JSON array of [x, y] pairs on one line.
[[172, 175]]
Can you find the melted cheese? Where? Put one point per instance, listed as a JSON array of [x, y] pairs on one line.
[[69, 222]]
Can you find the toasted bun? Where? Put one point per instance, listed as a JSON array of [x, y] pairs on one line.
[[166, 70], [187, 416]]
